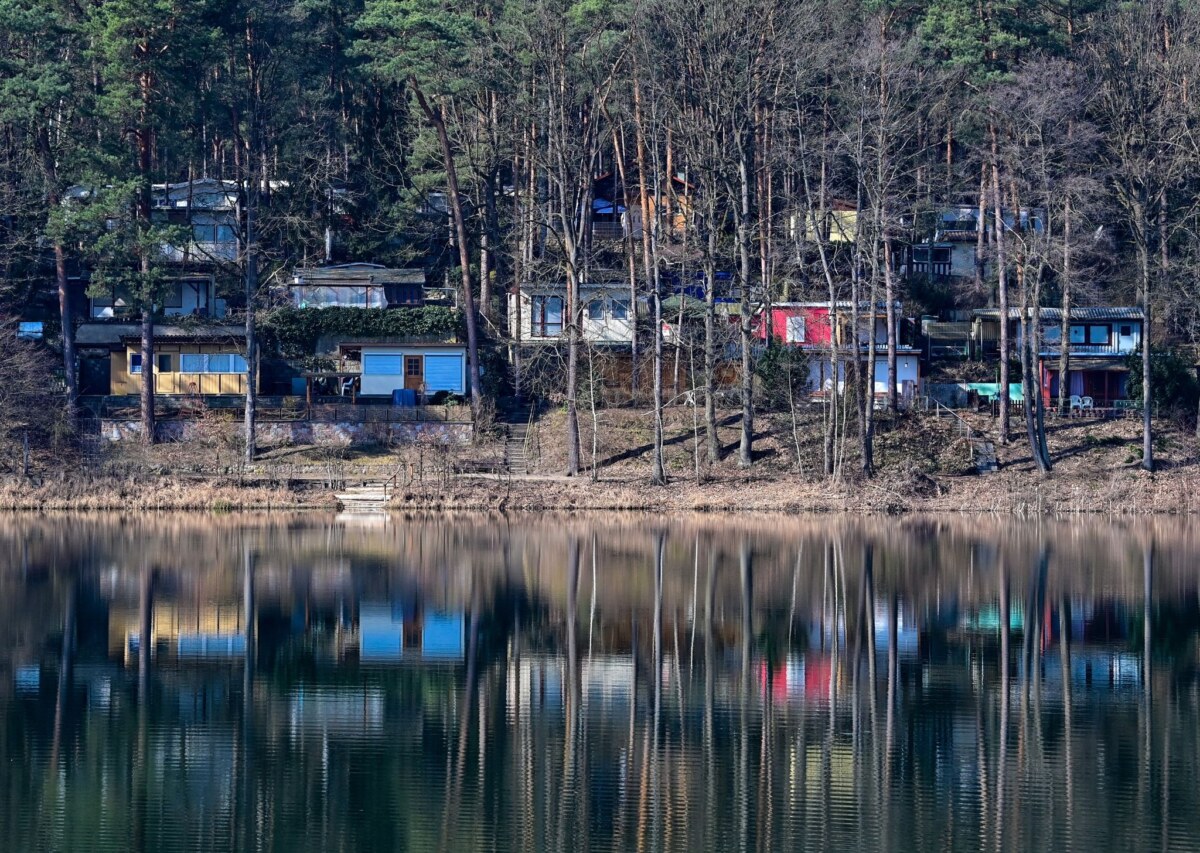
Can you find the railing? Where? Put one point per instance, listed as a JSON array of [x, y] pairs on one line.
[[608, 230], [936, 269], [969, 431], [1087, 349]]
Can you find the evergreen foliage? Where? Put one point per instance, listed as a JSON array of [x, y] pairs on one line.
[[295, 332]]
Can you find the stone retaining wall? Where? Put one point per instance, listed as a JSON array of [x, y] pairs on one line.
[[302, 432]]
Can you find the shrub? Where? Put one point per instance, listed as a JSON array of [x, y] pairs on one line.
[[295, 332]]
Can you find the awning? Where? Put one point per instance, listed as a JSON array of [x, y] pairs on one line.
[[1108, 365]]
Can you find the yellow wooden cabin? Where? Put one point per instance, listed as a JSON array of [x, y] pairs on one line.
[[207, 363]]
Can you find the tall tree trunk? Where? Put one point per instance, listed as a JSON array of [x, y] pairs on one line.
[[658, 473], [1030, 386], [70, 363], [630, 260], [1001, 288], [639, 128], [893, 331], [143, 141], [980, 229], [745, 445], [437, 118], [1064, 348], [1143, 249], [487, 250], [251, 417], [53, 200], [710, 355]]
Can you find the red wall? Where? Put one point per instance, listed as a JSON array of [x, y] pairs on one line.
[[816, 323]]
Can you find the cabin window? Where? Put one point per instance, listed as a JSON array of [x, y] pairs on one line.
[[547, 317], [408, 294], [217, 362], [164, 363], [795, 330], [135, 363], [1126, 331], [173, 298], [595, 309], [412, 365], [620, 309], [1078, 334], [1098, 334], [1051, 334], [208, 233]]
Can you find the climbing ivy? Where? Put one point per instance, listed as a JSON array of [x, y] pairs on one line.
[[296, 332]]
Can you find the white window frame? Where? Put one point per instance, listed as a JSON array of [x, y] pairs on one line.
[[236, 361], [790, 328]]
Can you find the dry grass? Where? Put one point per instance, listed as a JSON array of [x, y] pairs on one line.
[[923, 466], [152, 493]]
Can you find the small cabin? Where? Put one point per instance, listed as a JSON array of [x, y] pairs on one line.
[[357, 285], [607, 315], [811, 326], [186, 296], [204, 362], [384, 367], [1100, 342]]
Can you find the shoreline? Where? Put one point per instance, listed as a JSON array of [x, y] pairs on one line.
[[1123, 492]]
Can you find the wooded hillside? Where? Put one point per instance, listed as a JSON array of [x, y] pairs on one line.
[[750, 152]]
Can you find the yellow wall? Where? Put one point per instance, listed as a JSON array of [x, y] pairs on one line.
[[123, 382]]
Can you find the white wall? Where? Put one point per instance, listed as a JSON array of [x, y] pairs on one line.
[[908, 369], [605, 329]]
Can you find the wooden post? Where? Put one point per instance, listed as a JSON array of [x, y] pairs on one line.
[[25, 453]]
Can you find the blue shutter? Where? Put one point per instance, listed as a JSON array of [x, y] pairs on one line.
[[381, 364], [444, 372]]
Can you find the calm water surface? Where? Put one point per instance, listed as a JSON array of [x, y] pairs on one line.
[[314, 683]]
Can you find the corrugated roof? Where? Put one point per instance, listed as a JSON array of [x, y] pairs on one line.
[[357, 274], [111, 334], [1096, 313]]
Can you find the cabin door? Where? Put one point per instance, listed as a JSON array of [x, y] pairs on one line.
[[414, 372]]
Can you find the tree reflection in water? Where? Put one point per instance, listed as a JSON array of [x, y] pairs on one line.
[[266, 683]]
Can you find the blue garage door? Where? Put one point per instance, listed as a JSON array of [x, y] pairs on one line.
[[444, 373]]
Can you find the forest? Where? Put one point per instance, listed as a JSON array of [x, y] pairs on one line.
[[759, 151]]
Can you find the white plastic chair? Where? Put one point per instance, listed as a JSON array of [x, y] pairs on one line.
[[1086, 403], [1076, 402]]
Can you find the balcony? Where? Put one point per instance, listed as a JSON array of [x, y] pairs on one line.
[[203, 252], [1113, 350]]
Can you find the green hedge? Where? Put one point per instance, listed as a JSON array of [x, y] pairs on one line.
[[294, 332]]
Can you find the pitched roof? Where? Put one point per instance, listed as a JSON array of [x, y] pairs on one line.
[[357, 274]]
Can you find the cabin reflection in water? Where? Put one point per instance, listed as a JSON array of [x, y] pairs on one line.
[[595, 684]]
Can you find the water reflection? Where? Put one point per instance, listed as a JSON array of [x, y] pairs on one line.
[[575, 684]]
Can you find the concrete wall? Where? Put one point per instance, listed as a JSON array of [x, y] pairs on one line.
[[304, 432]]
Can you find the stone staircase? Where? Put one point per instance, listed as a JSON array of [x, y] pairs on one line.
[[983, 452], [516, 417], [369, 497]]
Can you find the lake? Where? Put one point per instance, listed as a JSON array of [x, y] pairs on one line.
[[611, 682]]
